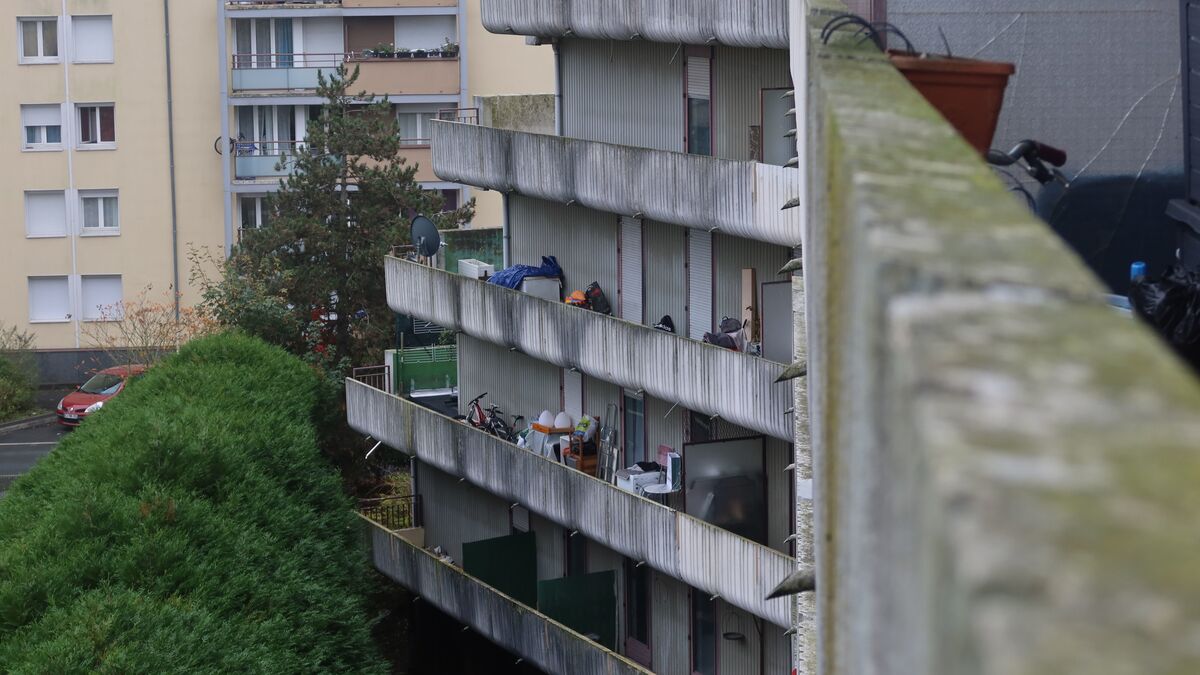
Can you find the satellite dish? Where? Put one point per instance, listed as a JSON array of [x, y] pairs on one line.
[[425, 236]]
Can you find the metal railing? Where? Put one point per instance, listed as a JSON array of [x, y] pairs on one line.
[[463, 115], [254, 3], [397, 512], [372, 376], [245, 148], [290, 60]]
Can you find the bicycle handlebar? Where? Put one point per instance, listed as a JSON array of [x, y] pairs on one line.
[[1033, 153], [1050, 153], [477, 398]]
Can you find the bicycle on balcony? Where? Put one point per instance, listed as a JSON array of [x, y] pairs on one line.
[[1033, 157], [490, 420]]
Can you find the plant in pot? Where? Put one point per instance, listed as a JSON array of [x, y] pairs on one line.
[[969, 93], [403, 53], [420, 54], [449, 49], [383, 51]]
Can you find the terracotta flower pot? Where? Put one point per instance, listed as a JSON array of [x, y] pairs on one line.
[[967, 92]]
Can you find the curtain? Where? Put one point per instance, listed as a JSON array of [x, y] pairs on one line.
[[110, 212], [243, 44], [283, 43], [108, 124]]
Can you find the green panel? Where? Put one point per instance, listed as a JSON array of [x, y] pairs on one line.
[[507, 564], [586, 604], [485, 244], [426, 368]]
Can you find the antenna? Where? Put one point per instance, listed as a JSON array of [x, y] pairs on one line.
[[425, 237]]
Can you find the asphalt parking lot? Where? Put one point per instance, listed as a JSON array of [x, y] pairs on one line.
[[22, 448]]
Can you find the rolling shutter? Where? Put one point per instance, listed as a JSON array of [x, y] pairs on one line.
[[631, 269], [699, 286], [698, 77]]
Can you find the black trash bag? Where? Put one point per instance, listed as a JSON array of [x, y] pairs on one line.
[[730, 325], [721, 340], [1172, 306], [665, 324], [596, 299]]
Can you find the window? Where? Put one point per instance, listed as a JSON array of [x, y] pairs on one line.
[[415, 127], [263, 43], [45, 214], [39, 40], [255, 212], [97, 126], [93, 39], [266, 131], [42, 127], [699, 109], [635, 429], [637, 612], [99, 212], [101, 298], [704, 634], [49, 299]]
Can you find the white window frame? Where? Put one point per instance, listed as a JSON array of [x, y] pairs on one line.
[[43, 146], [424, 117], [83, 311], [111, 35], [29, 299], [104, 230], [66, 226], [35, 60], [259, 201], [77, 126]]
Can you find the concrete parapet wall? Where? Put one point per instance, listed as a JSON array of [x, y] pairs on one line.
[[1005, 469]]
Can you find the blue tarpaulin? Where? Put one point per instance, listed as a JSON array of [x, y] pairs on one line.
[[513, 276]]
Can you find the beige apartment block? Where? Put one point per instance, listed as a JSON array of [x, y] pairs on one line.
[[116, 164]]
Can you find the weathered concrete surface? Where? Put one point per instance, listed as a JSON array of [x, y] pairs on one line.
[[518, 628], [533, 113], [1005, 469], [744, 23], [739, 198]]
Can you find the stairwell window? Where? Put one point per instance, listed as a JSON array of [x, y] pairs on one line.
[[39, 40], [41, 127], [100, 213], [97, 126]]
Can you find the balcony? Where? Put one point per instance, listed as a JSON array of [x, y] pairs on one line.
[[434, 76], [520, 629], [746, 23], [407, 76], [733, 385], [332, 7], [262, 159], [702, 555], [740, 198]]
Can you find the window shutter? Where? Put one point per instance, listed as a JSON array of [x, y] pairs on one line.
[[41, 115], [49, 299], [93, 38], [573, 393], [100, 294], [45, 214], [698, 80], [700, 301], [631, 269]]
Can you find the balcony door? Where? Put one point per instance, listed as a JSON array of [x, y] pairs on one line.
[[267, 130], [263, 43]]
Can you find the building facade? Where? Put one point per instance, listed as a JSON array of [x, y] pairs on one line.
[[144, 128], [665, 185]]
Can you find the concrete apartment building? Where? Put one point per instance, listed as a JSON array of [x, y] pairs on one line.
[[665, 185], [118, 164]]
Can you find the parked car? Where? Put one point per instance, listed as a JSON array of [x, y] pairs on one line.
[[91, 395]]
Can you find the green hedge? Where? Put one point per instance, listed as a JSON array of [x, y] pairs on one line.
[[190, 526]]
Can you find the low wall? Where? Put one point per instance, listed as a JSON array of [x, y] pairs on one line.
[[1005, 469]]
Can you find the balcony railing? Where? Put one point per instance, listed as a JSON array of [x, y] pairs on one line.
[[520, 629], [281, 72], [744, 199], [705, 556], [744, 23], [394, 513], [738, 387], [260, 159]]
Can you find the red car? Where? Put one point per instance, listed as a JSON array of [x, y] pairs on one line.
[[90, 396]]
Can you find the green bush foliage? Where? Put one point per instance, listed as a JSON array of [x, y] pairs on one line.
[[18, 372], [190, 526]]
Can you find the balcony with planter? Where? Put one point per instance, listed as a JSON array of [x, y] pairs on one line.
[[698, 553], [735, 386], [740, 198]]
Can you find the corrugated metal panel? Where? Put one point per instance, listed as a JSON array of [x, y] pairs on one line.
[[665, 273], [780, 508], [456, 513], [699, 77], [738, 387], [572, 392], [522, 630], [583, 240], [622, 92], [698, 553], [631, 269], [739, 76], [777, 654], [520, 385], [742, 198], [730, 256], [700, 284], [670, 625], [746, 23], [549, 538], [664, 425], [738, 657], [598, 394]]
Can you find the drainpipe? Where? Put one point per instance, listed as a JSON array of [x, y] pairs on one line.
[[74, 283], [171, 159], [558, 107]]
